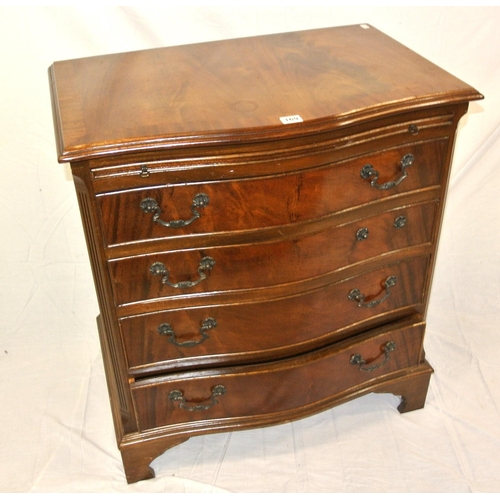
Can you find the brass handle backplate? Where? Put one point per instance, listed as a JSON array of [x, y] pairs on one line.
[[166, 330], [178, 396], [151, 206], [159, 269], [357, 359], [368, 171], [357, 296]]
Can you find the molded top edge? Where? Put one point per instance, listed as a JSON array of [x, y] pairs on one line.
[[241, 90]]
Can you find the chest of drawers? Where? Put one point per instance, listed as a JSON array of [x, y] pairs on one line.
[[262, 217]]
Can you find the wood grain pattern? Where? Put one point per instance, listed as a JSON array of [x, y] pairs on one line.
[[270, 201], [228, 91], [277, 387], [272, 329], [252, 267], [287, 155], [286, 202]]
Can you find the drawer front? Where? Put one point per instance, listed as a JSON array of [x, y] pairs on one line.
[[276, 388], [229, 333], [254, 266], [215, 207]]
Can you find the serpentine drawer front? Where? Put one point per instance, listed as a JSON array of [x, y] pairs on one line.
[[271, 388], [170, 211], [243, 267], [263, 241], [263, 329]]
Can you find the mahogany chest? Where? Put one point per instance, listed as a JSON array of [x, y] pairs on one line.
[[262, 216]]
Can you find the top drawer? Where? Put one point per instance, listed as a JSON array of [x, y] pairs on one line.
[[170, 211]]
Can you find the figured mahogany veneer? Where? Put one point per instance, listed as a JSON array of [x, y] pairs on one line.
[[262, 217], [274, 388], [245, 267], [260, 202], [276, 328]]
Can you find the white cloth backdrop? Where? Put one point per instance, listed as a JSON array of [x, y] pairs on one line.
[[56, 432]]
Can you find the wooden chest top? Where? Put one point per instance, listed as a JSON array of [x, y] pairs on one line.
[[240, 90]]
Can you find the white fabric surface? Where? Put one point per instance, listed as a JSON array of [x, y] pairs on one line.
[[56, 432]]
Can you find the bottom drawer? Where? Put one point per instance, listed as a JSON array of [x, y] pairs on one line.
[[279, 388]]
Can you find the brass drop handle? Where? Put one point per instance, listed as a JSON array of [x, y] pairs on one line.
[[357, 359], [150, 206], [357, 296], [166, 330], [178, 396], [159, 269], [368, 171]]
